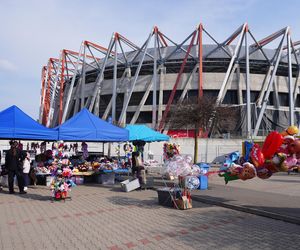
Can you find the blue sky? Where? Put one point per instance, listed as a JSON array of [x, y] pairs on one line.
[[32, 31]]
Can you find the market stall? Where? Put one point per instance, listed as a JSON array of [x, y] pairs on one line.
[[15, 124], [144, 133], [139, 135], [86, 127]]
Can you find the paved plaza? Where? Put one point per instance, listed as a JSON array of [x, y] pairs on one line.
[[100, 217]]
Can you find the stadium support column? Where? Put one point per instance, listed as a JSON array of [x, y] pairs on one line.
[[136, 75], [178, 78], [97, 88], [222, 90], [61, 86], [266, 98], [162, 77], [114, 94], [290, 78], [83, 77], [71, 86], [43, 91], [248, 96], [51, 109], [200, 57], [154, 102], [239, 85], [126, 93]]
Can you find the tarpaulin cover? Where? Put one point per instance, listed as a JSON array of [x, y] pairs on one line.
[[15, 124], [85, 126], [144, 133]]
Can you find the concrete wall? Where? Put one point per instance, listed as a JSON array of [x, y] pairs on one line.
[[211, 81], [210, 150]]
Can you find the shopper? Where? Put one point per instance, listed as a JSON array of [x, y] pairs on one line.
[[14, 164], [137, 166], [26, 169]]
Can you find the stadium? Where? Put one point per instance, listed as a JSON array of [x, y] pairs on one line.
[[138, 84]]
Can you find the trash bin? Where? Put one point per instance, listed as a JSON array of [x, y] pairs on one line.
[[204, 167], [203, 177], [203, 182]]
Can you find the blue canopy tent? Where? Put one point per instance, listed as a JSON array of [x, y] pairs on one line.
[[15, 124], [144, 133], [85, 126]]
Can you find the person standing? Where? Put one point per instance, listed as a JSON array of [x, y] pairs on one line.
[[26, 169], [14, 165], [137, 166]]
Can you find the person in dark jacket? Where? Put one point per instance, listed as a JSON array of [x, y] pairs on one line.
[[137, 166], [13, 163]]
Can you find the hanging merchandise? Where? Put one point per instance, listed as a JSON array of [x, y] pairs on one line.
[[84, 148]]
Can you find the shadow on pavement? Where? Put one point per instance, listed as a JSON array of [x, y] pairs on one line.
[[29, 196], [128, 201], [287, 181]]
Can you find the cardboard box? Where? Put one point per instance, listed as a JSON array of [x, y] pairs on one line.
[[128, 185], [183, 203], [106, 179]]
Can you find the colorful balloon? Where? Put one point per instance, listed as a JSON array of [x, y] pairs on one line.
[[294, 147], [256, 156], [228, 177], [248, 172], [263, 173], [272, 144]]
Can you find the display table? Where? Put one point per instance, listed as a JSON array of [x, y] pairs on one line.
[[107, 177], [116, 171], [87, 173], [42, 174], [43, 179]]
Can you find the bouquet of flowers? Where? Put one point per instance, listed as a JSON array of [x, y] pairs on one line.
[[170, 150]]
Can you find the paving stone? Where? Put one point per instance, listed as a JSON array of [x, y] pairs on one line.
[[100, 218]]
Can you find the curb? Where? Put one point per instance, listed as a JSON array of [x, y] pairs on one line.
[[254, 211]]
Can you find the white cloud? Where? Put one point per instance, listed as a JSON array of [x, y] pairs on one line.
[[6, 65]]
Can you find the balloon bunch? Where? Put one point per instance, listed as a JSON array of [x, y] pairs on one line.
[[181, 165], [279, 153], [170, 150]]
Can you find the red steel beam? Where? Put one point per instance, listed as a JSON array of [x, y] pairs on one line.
[[162, 122], [66, 51], [162, 39], [95, 45]]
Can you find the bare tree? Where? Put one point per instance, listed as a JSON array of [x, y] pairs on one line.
[[203, 113]]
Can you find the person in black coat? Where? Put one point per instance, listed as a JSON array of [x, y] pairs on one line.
[[14, 165]]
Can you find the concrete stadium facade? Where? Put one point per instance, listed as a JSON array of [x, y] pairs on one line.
[[262, 82]]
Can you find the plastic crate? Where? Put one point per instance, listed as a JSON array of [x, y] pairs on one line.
[[128, 185], [79, 180], [49, 180], [106, 179], [165, 196]]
